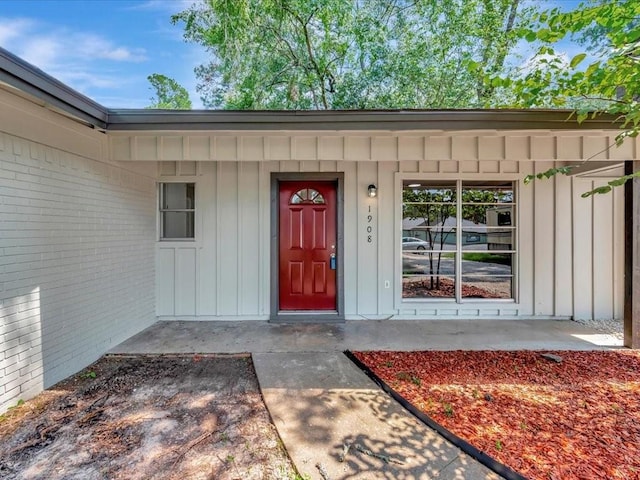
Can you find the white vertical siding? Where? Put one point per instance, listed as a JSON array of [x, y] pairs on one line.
[[563, 247], [249, 238], [583, 250], [185, 281], [618, 254], [350, 254], [569, 249], [207, 266], [526, 241], [366, 252], [385, 215], [227, 231], [603, 293], [543, 242]]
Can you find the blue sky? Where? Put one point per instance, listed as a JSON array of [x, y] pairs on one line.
[[106, 48]]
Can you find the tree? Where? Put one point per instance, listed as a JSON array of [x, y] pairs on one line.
[[436, 206], [169, 93], [432, 206], [609, 31], [337, 54]]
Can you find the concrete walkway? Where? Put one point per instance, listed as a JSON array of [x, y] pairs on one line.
[[320, 401]]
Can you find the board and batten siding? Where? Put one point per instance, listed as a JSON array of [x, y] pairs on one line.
[[570, 249], [77, 245]]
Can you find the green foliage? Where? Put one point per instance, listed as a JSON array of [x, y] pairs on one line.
[[488, 258], [170, 95], [549, 173], [611, 184], [297, 476], [609, 32], [18, 404], [336, 54]]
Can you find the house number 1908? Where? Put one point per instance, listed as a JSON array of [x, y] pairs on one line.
[[369, 227]]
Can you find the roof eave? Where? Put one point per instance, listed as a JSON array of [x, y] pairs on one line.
[[31, 80], [354, 120]]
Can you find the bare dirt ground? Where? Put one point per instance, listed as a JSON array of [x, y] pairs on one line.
[[146, 417]]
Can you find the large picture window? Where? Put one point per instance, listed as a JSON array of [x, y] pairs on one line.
[[177, 211], [458, 239]]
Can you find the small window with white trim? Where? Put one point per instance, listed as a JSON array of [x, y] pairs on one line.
[[177, 211]]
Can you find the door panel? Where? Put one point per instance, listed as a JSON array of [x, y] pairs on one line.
[[295, 230], [307, 232], [319, 277], [296, 278], [319, 229]]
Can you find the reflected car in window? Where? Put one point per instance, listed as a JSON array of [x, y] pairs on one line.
[[414, 243]]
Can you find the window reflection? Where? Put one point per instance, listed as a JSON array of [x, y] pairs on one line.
[[443, 221], [307, 195], [487, 275], [177, 211], [429, 286]]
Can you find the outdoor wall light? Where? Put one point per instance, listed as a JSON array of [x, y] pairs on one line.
[[372, 191]]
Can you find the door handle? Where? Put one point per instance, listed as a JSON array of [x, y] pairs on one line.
[[332, 261]]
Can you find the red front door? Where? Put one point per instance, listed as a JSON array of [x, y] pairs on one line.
[[307, 244]]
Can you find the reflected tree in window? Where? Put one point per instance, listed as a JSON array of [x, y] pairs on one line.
[[435, 207], [467, 230]]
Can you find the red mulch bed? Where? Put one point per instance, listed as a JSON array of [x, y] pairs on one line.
[[445, 288], [577, 419]]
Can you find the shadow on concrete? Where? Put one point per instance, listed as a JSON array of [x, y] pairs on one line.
[[321, 403]]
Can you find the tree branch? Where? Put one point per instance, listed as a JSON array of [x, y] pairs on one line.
[[307, 38]]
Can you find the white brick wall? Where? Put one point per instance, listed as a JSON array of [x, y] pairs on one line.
[[77, 240]]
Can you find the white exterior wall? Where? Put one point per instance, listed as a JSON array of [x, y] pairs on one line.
[[77, 240], [570, 250]]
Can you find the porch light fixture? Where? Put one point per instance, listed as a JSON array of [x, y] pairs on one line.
[[372, 191]]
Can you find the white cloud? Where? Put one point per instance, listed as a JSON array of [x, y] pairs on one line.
[[14, 28], [84, 79], [171, 7], [27, 39], [94, 47], [42, 51], [83, 60]]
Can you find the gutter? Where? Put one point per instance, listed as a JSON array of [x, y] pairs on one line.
[[340, 120], [25, 77]]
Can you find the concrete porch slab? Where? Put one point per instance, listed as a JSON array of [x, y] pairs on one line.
[[406, 335]]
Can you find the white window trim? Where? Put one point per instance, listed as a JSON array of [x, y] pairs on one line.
[[402, 303], [160, 210]]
